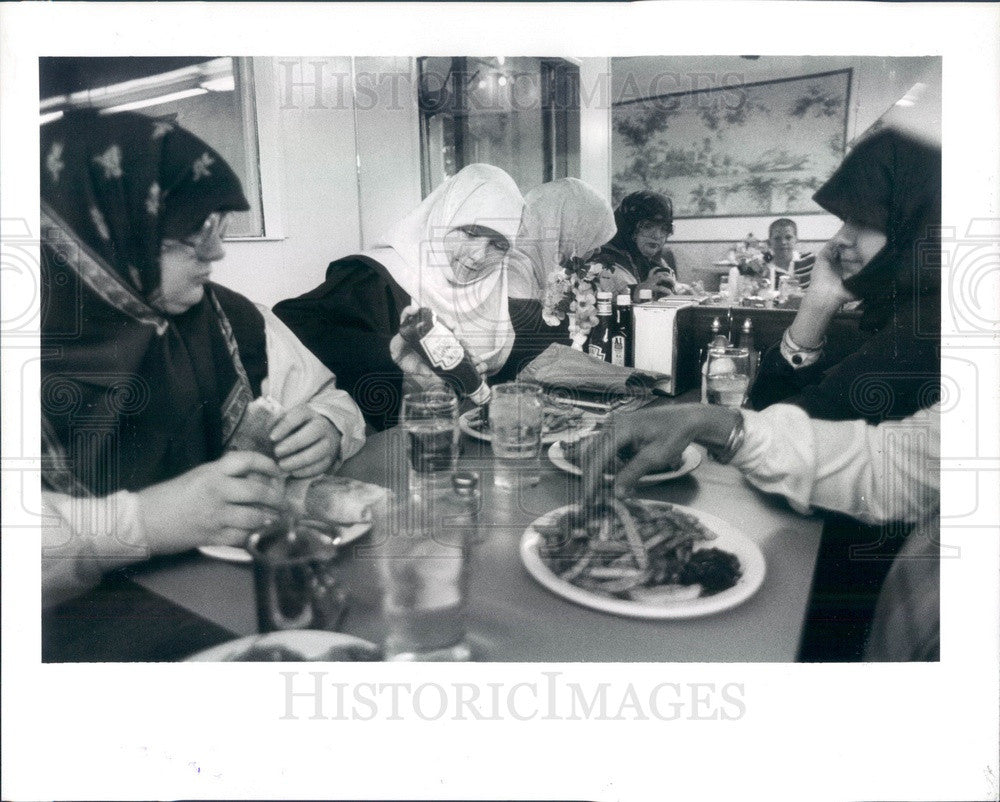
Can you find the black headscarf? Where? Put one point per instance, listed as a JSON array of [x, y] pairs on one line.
[[131, 396], [635, 208], [892, 182]]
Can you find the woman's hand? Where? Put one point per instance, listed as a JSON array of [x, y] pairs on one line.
[[306, 443], [415, 369], [657, 438], [218, 503], [659, 281], [824, 297], [826, 282]]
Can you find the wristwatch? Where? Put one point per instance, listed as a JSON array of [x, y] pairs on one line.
[[797, 356]]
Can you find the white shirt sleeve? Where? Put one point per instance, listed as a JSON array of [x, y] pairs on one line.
[[888, 472], [82, 537], [296, 376]]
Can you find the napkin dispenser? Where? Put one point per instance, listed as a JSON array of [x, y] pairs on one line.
[[663, 337]]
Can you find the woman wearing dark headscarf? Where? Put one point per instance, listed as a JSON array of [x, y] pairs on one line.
[[148, 367], [638, 252], [887, 192]]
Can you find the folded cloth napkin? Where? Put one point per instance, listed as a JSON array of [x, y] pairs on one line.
[[562, 367]]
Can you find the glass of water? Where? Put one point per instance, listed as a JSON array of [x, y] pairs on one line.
[[728, 376], [516, 417], [430, 420]]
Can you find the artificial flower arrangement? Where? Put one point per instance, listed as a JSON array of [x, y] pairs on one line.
[[753, 263], [571, 291], [751, 259]]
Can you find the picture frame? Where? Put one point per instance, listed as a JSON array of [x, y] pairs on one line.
[[693, 146]]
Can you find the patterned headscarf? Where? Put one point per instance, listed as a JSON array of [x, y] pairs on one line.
[[562, 219], [130, 396]]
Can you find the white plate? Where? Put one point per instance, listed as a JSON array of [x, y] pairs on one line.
[[586, 425], [311, 644], [238, 554], [728, 539], [690, 459]]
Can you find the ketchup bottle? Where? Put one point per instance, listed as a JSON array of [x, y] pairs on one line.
[[445, 355]]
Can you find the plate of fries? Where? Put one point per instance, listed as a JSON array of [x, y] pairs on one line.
[[643, 559]]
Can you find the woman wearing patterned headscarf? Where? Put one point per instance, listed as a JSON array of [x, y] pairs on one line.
[[447, 254], [148, 367]]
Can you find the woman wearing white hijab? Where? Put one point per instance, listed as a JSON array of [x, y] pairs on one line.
[[562, 219], [448, 255]]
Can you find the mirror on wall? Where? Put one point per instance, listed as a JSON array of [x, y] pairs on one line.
[[519, 114]]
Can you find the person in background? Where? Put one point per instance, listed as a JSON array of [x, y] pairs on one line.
[[782, 237], [886, 254], [148, 367], [563, 219], [448, 255], [637, 254], [874, 474]]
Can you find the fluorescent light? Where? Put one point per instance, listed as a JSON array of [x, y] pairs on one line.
[[226, 83], [911, 97], [155, 101], [50, 117]]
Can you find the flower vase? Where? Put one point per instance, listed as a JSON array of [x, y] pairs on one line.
[[578, 340]]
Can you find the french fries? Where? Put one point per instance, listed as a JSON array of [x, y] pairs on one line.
[[633, 551]]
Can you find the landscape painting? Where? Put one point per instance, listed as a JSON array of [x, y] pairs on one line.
[[748, 149]]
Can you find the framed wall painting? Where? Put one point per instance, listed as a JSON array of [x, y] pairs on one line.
[[752, 149]]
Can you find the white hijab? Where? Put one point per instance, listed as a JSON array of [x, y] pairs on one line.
[[562, 219], [413, 253]]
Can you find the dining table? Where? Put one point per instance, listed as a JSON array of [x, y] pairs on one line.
[[169, 607]]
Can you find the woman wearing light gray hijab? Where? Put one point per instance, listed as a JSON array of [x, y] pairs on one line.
[[562, 219]]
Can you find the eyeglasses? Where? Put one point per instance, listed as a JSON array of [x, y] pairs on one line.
[[652, 231], [214, 227]]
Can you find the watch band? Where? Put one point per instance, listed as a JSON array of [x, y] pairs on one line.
[[797, 356]]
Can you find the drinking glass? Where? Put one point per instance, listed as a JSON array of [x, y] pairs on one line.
[[516, 419], [430, 420], [295, 580], [424, 566], [728, 376]]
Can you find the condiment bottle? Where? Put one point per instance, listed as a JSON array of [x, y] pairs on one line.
[[445, 355], [716, 339], [599, 343], [747, 341], [622, 342]]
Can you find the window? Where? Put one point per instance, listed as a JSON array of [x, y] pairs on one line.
[[519, 114], [211, 97]]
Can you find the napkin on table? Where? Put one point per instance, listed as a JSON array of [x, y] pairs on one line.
[[561, 368]]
